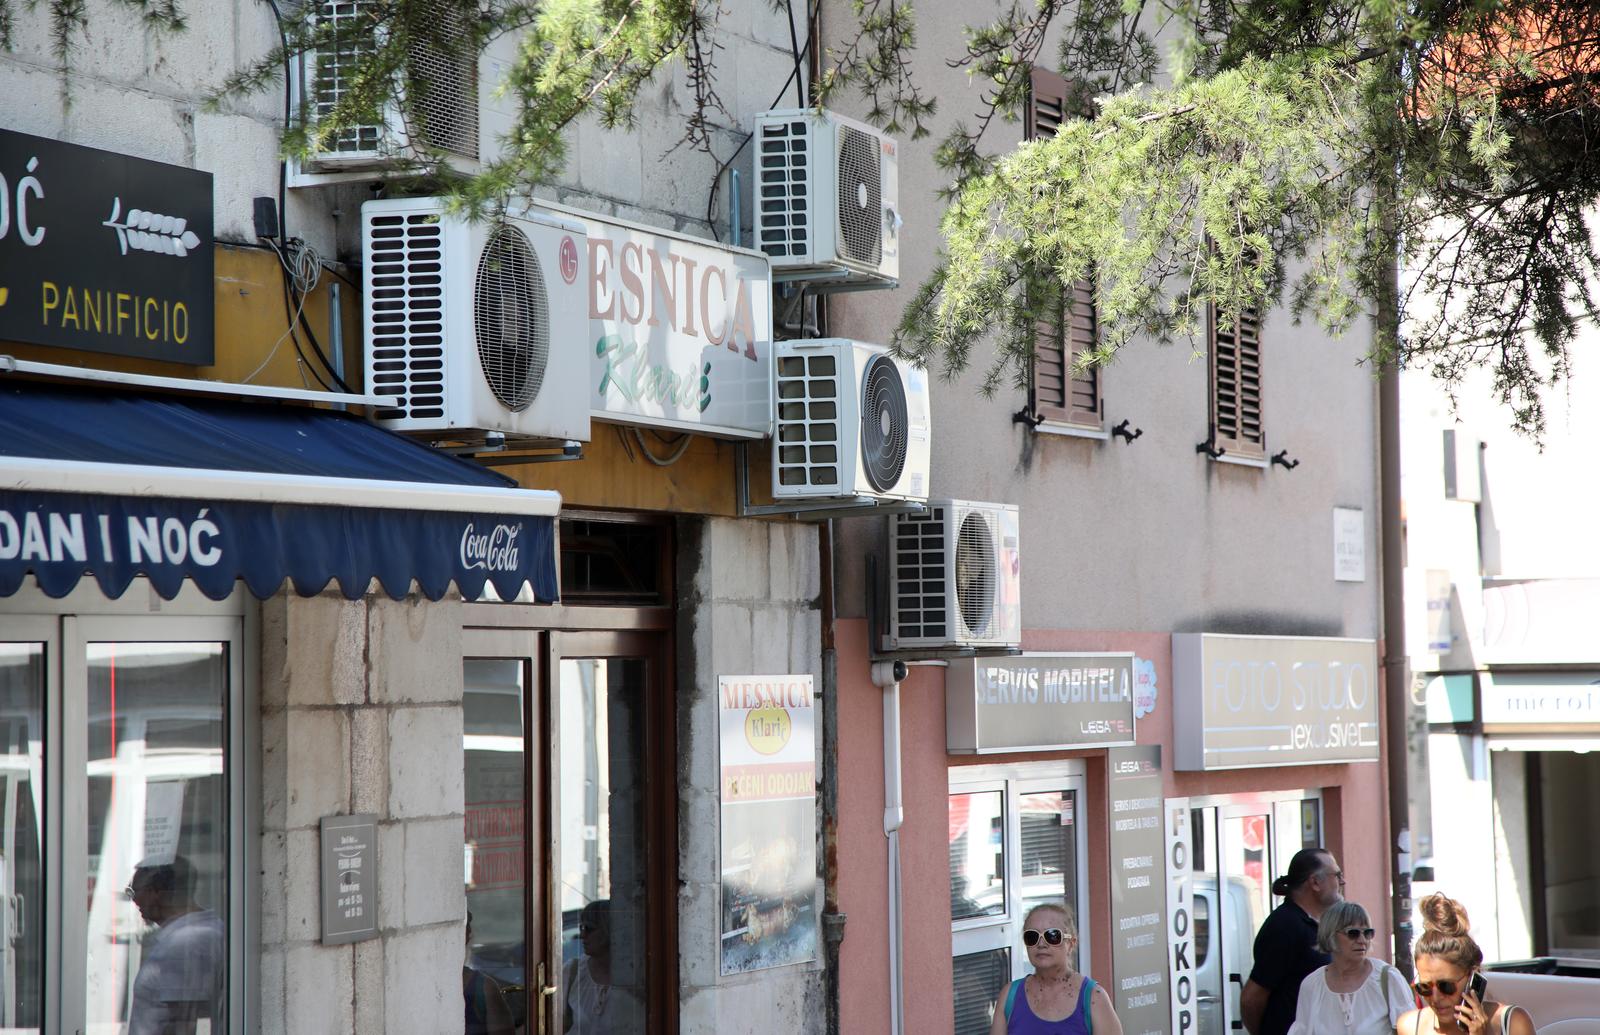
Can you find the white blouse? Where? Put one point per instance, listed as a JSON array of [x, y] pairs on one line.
[[1371, 1009]]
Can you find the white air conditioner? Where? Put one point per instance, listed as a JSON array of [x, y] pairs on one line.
[[476, 327], [444, 83], [827, 204], [852, 421], [955, 577]]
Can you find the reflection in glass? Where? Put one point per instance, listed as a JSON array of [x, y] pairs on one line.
[[1049, 852], [1244, 860], [977, 855], [979, 978], [494, 981], [1209, 979], [157, 838], [22, 676], [601, 846]]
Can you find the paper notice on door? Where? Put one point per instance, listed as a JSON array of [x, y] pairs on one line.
[[163, 819]]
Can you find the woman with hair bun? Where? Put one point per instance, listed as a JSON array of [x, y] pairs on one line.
[[1451, 983]]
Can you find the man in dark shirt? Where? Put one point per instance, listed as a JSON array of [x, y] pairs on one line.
[[1286, 946]]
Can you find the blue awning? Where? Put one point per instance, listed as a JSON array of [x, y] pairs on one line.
[[117, 485]]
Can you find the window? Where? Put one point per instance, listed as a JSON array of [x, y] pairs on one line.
[[1059, 394], [1236, 385], [121, 740], [1015, 842]]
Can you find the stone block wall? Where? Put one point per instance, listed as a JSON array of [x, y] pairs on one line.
[[361, 713], [748, 603]]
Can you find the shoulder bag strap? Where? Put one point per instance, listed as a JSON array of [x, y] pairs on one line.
[[1011, 997], [1086, 1007]]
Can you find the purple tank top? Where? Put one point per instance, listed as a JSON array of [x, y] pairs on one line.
[[1023, 1021]]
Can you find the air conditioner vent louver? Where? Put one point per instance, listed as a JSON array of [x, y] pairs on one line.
[[955, 577], [406, 330], [920, 576], [883, 423], [781, 191], [860, 197], [511, 316], [975, 575], [334, 70], [444, 85]]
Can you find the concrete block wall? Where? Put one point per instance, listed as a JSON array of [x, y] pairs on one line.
[[748, 603], [361, 713]]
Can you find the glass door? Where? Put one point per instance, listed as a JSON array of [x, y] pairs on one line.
[[1016, 840], [28, 679], [506, 840], [614, 803], [1245, 892]]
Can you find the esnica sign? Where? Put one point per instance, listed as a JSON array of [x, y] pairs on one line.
[[680, 331]]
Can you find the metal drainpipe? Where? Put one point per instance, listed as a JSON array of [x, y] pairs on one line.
[[1396, 677], [888, 675]]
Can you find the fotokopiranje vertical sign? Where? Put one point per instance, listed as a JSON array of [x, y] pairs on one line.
[[103, 252], [769, 821], [1138, 891]]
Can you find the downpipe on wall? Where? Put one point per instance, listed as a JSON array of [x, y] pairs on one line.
[[889, 675]]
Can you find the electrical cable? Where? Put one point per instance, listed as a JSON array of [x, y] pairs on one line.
[[684, 442], [794, 48]]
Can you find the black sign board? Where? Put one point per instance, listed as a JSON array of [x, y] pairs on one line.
[[104, 252], [349, 879]]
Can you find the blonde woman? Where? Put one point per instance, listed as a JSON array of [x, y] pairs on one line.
[[1054, 999], [1353, 994], [1449, 980]]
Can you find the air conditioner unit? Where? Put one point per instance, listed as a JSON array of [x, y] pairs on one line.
[[827, 199], [443, 83], [852, 421], [955, 577], [476, 327]]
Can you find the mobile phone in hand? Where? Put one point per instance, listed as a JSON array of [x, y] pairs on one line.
[[1478, 986]]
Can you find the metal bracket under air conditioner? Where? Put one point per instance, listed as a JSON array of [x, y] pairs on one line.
[[811, 510], [878, 631], [834, 280]]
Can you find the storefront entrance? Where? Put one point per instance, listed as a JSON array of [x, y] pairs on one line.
[[1238, 847], [571, 806]]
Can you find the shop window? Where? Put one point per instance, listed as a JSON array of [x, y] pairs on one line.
[[133, 722], [1014, 843], [621, 563]]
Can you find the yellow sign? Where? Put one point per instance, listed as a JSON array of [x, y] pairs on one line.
[[768, 729]]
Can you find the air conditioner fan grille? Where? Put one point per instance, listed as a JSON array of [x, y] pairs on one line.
[[860, 197], [884, 421], [976, 576], [511, 317]]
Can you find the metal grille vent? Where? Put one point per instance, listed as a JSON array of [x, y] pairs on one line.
[[883, 423], [406, 274], [341, 24], [920, 575], [511, 316], [975, 574], [785, 212], [444, 84], [808, 420], [860, 197]]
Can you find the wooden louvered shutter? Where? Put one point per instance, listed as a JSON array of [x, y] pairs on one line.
[[1236, 385], [1059, 394]]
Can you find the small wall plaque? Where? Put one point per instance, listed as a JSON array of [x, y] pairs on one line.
[[349, 879]]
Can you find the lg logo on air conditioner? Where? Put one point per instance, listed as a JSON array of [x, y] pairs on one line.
[[569, 259]]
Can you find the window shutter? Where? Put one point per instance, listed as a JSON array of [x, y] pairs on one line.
[[1236, 384], [1059, 394]]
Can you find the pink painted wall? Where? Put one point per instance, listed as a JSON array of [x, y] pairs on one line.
[[1355, 810]]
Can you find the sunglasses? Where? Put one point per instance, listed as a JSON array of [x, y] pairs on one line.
[[1052, 936], [1353, 933], [1444, 985]]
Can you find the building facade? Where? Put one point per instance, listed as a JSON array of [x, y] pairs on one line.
[[1500, 595]]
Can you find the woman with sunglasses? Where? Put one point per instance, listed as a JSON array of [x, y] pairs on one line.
[[1450, 983], [1054, 999], [1353, 994]]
